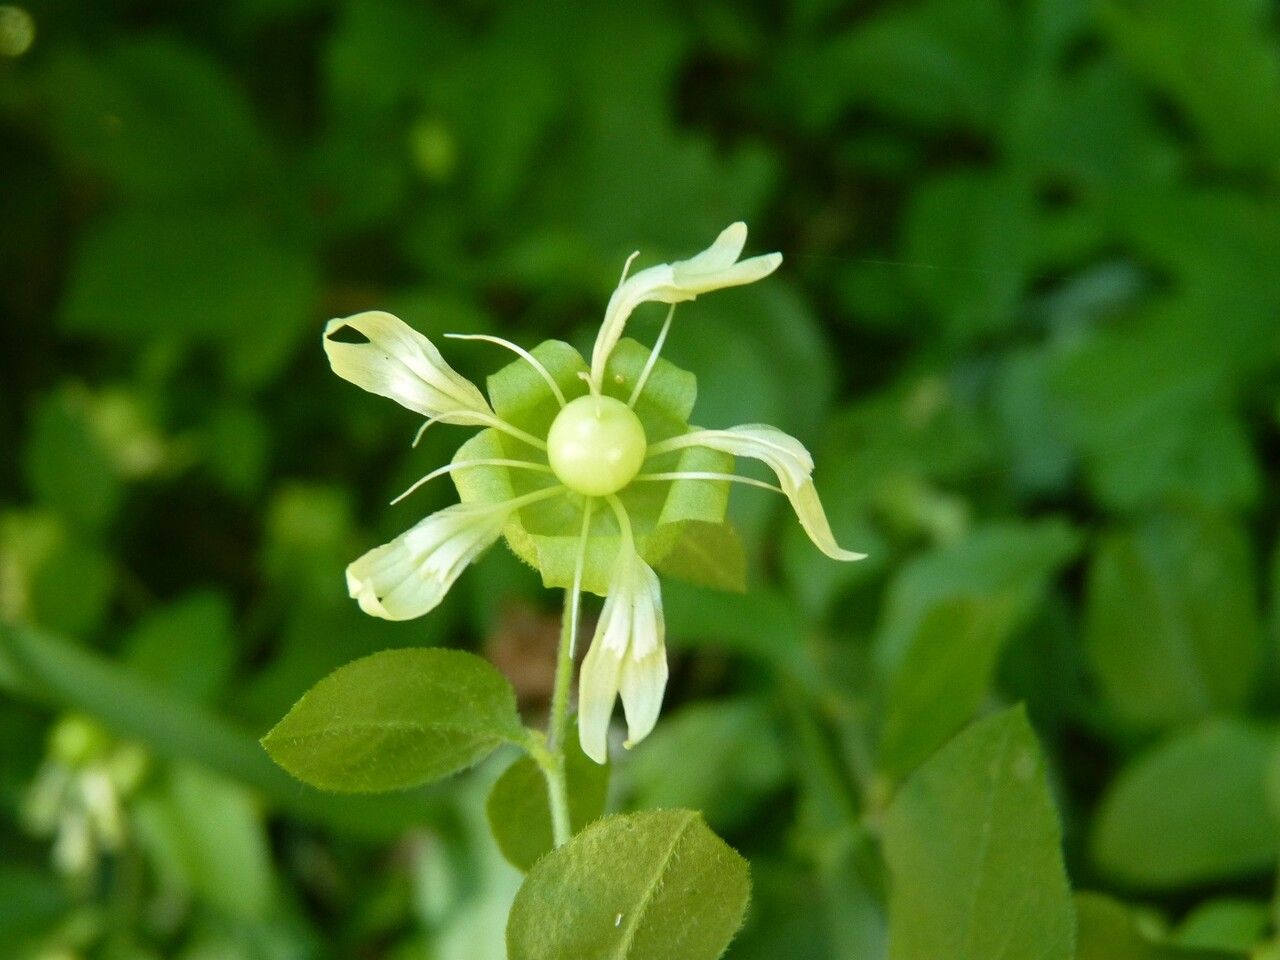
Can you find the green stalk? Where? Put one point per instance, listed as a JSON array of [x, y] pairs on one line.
[[553, 767]]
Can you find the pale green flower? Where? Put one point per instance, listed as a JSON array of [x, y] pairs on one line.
[[562, 438]]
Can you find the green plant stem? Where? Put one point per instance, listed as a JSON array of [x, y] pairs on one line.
[[553, 767]]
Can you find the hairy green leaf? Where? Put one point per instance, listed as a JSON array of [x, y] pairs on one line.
[[643, 886], [396, 719]]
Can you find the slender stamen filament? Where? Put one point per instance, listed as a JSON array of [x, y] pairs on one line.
[[575, 601], [499, 424], [519, 351], [624, 521], [653, 357], [461, 464], [626, 267], [417, 437], [707, 475], [535, 496]]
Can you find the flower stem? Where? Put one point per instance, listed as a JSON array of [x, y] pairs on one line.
[[553, 768]]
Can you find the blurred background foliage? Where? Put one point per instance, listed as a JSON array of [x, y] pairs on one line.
[[1029, 320]]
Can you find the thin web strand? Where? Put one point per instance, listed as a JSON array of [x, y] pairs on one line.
[[653, 357], [520, 352], [461, 464], [708, 475]]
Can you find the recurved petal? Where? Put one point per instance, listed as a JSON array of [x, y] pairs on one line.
[[396, 361], [808, 508], [715, 268], [726, 249], [787, 457], [409, 576]]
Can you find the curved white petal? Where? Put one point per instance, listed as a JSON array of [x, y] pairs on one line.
[[628, 656], [410, 575], [715, 268], [398, 362], [597, 690], [787, 457]]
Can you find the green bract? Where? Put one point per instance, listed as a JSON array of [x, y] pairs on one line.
[[546, 534]]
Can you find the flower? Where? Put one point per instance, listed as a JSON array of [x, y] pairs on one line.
[[561, 438]]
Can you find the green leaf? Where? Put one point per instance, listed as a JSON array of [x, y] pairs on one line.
[[134, 111], [973, 844], [1193, 810], [520, 815], [215, 274], [1107, 930], [1216, 61], [396, 719], [60, 581], [948, 615], [67, 467], [187, 646], [707, 555], [980, 229], [1171, 625], [642, 886], [1225, 924], [207, 836]]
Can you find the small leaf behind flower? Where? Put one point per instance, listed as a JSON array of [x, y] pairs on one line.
[[643, 886], [708, 555], [396, 719], [520, 816]]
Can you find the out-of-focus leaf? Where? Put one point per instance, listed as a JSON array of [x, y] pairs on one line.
[[31, 903], [947, 616], [396, 719], [970, 239], [188, 646], [931, 63], [208, 837], [1216, 61], [204, 273], [630, 887], [136, 111], [1226, 924], [54, 578], [519, 812], [1193, 810], [67, 468], [1107, 930], [973, 844], [722, 758], [1171, 625]]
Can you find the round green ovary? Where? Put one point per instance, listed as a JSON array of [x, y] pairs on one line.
[[596, 445]]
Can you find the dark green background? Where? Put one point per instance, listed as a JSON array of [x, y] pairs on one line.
[[1028, 319]]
